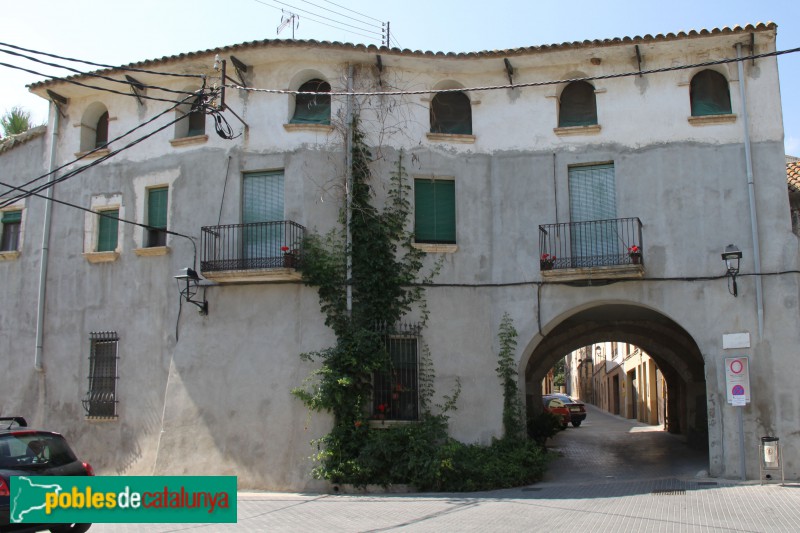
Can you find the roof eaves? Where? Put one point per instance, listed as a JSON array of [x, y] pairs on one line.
[[299, 43], [21, 138]]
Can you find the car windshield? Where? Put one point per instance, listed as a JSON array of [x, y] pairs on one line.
[[31, 449]]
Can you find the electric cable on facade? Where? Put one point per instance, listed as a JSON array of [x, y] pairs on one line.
[[91, 74], [526, 84], [7, 202], [113, 67]]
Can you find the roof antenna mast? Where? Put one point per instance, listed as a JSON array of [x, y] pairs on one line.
[[287, 18]]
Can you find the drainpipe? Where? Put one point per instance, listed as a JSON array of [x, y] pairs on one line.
[[349, 187], [751, 194], [48, 210]]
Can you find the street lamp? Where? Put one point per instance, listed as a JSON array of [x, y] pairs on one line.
[[190, 291], [731, 256]]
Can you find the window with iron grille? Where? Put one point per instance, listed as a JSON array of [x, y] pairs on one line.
[[101, 397], [395, 391]]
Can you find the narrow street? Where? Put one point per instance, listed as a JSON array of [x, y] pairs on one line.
[[612, 475], [607, 447]]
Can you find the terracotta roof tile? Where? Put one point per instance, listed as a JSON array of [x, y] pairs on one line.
[[21, 138], [793, 175], [300, 43]]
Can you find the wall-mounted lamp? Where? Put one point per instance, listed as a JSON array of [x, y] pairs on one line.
[[190, 290], [598, 351], [731, 256]]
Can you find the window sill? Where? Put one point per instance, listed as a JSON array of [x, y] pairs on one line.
[[187, 141], [11, 255], [151, 251], [451, 138], [566, 131], [386, 424], [113, 418], [429, 248], [101, 257], [707, 120], [319, 128], [89, 154]]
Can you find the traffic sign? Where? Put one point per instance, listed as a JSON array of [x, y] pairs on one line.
[[737, 380]]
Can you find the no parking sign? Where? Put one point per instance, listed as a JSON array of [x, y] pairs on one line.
[[737, 380]]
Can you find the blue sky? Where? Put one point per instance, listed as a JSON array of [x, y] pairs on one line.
[[122, 32]]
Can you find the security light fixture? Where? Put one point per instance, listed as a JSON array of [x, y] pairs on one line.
[[192, 280], [731, 256]]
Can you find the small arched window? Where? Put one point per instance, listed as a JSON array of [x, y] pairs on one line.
[[101, 131], [94, 127], [709, 94], [191, 118], [313, 108], [578, 105], [197, 119], [451, 113]]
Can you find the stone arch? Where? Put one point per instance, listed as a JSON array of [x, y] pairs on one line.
[[662, 338]]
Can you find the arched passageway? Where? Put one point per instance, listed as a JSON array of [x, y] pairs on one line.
[[666, 342]]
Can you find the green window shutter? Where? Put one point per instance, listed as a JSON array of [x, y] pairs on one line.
[[435, 211], [10, 217], [263, 197], [107, 232], [157, 207]]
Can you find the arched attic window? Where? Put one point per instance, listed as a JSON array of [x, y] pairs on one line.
[[194, 123], [94, 127], [709, 94], [313, 108], [101, 131], [578, 105], [451, 113]]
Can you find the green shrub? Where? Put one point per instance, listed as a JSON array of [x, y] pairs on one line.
[[543, 426]]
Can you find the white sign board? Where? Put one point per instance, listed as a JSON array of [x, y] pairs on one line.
[[735, 340], [737, 380]]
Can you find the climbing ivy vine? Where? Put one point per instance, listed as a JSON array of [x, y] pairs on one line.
[[385, 286]]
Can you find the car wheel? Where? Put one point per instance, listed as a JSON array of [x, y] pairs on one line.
[[576, 423], [70, 528]]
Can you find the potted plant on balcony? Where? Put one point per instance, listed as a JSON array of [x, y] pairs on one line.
[[547, 261], [289, 257], [635, 254]]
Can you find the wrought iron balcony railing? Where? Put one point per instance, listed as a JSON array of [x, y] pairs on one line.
[[597, 243], [255, 246]]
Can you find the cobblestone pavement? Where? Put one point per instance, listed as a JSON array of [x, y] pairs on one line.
[[612, 475]]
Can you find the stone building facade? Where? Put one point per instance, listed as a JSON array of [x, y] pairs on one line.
[[567, 185]]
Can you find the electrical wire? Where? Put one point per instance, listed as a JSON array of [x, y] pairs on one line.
[[330, 19], [340, 14], [67, 80], [8, 202], [352, 11], [325, 24], [524, 85], [114, 67], [104, 214], [91, 74]]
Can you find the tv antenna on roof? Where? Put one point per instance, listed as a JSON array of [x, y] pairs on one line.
[[287, 18]]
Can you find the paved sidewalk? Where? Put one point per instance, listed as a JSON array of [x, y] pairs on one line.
[[613, 475]]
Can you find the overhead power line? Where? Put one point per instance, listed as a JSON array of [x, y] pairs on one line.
[[95, 87], [374, 33], [523, 85], [352, 11], [75, 172], [115, 67], [92, 74]]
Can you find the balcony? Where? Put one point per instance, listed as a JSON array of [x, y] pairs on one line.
[[261, 251], [594, 250]]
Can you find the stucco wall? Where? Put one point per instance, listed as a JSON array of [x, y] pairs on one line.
[[211, 394]]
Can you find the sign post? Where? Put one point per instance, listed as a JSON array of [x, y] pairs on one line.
[[737, 385]]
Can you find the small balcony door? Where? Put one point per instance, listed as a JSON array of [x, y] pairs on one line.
[[593, 198], [262, 201]]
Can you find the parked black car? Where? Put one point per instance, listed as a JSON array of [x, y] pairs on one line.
[[34, 452], [577, 409]]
